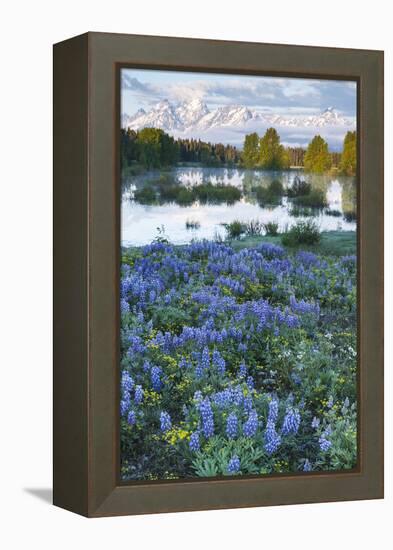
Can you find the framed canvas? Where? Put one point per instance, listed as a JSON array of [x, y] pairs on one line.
[[218, 274]]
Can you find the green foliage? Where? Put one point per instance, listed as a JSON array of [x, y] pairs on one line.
[[266, 152], [209, 193], [332, 212], [299, 188], [272, 194], [213, 460], [296, 156], [305, 357], [210, 154], [250, 228], [250, 155], [317, 158], [348, 157], [166, 190], [271, 228], [303, 232], [184, 196], [272, 155], [302, 211], [254, 227], [316, 198], [155, 148], [146, 195], [234, 229]]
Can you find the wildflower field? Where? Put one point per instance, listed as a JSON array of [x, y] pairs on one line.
[[236, 361]]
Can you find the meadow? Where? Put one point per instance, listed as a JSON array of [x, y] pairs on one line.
[[238, 358]]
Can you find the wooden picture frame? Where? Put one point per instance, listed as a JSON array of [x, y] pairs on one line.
[[86, 273]]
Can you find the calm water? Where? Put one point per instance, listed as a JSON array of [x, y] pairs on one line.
[[139, 222]]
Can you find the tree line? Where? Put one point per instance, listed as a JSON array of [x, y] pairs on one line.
[[267, 152], [153, 148]]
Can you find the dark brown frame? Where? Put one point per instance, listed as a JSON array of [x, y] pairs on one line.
[[86, 273]]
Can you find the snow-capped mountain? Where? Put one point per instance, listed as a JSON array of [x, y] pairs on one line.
[[195, 116], [190, 112]]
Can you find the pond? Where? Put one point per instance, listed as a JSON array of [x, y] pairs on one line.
[[140, 222]]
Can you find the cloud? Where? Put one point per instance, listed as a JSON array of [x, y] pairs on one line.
[[284, 95], [146, 92]]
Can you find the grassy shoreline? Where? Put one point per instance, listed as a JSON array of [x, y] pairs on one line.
[[334, 243]]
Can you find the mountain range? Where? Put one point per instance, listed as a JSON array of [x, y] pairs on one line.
[[195, 116]]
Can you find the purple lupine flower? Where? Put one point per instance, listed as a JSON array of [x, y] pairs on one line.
[[207, 417], [131, 418], [315, 422], [250, 382], [138, 396], [127, 383], [243, 371], [324, 444], [232, 426], [291, 421], [155, 376], [273, 410], [194, 442], [219, 362], [165, 422], [251, 425], [234, 465], [272, 439]]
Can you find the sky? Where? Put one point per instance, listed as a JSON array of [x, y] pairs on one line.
[[278, 95]]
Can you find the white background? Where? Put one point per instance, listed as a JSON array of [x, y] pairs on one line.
[[28, 29]]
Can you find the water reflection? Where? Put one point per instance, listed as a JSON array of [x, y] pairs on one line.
[[140, 221]]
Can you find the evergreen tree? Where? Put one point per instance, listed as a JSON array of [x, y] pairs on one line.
[[296, 156], [272, 155], [251, 150], [348, 157], [317, 158]]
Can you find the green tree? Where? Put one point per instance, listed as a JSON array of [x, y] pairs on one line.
[[317, 158], [156, 148], [251, 150], [348, 157], [149, 147], [272, 155]]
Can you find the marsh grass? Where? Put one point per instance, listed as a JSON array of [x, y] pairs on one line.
[[271, 228], [332, 212], [316, 198], [270, 195], [302, 233], [302, 211]]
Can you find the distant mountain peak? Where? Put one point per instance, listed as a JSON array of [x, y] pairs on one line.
[[194, 115]]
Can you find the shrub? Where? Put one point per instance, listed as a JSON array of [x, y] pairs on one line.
[[315, 199], [234, 229], [184, 197], [207, 192], [333, 213], [146, 195], [301, 211], [299, 188], [271, 194], [271, 228], [169, 193], [254, 227], [303, 232], [350, 216]]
